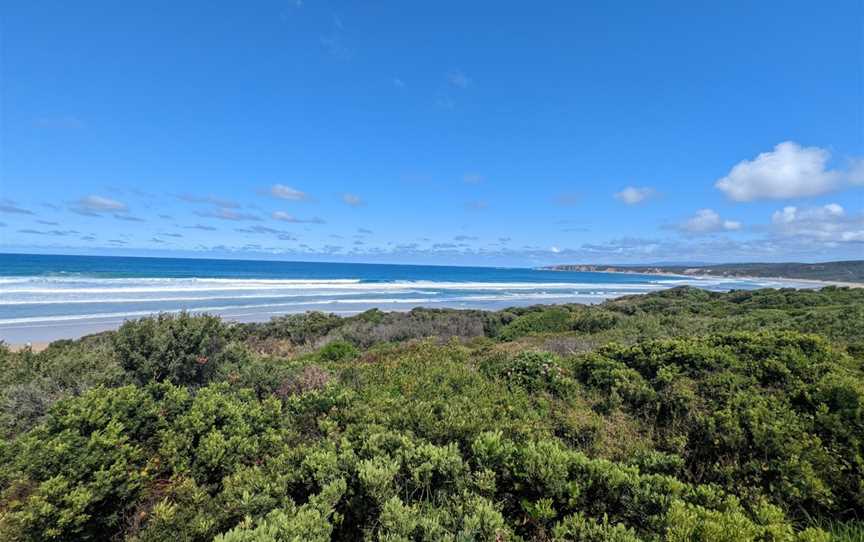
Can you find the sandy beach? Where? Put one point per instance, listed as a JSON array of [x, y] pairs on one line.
[[37, 336]]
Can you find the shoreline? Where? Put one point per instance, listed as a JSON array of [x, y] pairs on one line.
[[41, 341], [815, 282], [661, 273]]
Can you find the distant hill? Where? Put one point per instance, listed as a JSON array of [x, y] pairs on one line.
[[846, 271]]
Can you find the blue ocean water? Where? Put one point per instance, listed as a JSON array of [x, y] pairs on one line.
[[46, 297]]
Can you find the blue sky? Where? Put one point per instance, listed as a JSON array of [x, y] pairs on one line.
[[498, 133]]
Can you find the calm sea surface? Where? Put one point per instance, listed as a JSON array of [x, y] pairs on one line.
[[46, 297]]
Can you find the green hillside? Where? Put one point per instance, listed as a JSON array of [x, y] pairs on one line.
[[845, 271]]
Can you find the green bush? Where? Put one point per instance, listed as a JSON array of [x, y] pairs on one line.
[[546, 320], [672, 418], [537, 371], [300, 329], [338, 351], [182, 349]]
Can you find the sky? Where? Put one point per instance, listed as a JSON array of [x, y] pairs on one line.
[[448, 132]]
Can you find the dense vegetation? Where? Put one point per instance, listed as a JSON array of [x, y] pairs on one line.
[[682, 415], [844, 271]]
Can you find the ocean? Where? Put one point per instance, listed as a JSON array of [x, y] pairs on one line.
[[49, 297]]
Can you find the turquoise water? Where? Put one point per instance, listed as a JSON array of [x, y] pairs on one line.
[[46, 297]]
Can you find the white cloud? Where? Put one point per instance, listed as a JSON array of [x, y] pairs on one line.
[[353, 200], [828, 223], [632, 195], [285, 217], [708, 221], [789, 171], [96, 205], [286, 192]]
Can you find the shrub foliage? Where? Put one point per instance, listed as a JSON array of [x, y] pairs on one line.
[[682, 415]]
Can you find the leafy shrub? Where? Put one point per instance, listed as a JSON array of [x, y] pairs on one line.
[[542, 321], [338, 351], [300, 329], [536, 371], [685, 426], [594, 320], [182, 349]]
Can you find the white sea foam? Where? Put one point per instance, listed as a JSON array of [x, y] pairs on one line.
[[109, 300], [164, 286], [300, 305], [42, 302]]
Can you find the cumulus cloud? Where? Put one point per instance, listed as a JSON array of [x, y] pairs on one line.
[[286, 192], [788, 171], [631, 195], [94, 205], [10, 207], [353, 200], [828, 223], [285, 217], [707, 221], [227, 214]]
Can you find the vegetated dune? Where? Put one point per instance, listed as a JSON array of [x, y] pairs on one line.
[[851, 271], [677, 415]]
